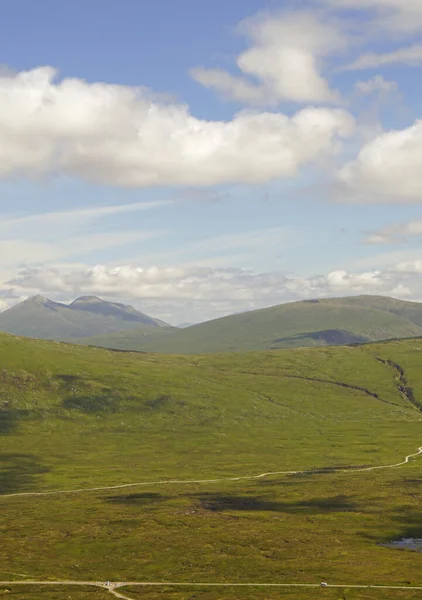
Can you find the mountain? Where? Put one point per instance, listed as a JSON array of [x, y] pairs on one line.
[[335, 321], [86, 316]]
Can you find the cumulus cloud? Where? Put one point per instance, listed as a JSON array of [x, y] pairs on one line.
[[284, 61], [396, 233], [176, 293], [388, 168], [410, 55], [118, 135], [376, 85]]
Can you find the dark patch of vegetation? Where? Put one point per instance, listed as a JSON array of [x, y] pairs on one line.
[[92, 404], [328, 337], [18, 472], [137, 499], [218, 502], [159, 401], [9, 418], [68, 380]]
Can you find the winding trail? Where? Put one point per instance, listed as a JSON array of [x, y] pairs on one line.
[[348, 470]]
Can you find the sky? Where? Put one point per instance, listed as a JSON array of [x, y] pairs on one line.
[[198, 159]]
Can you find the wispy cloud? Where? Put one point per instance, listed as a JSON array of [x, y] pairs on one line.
[[396, 233], [377, 85], [10, 223], [410, 55], [55, 236]]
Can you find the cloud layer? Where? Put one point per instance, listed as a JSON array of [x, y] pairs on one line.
[[215, 291], [119, 135]]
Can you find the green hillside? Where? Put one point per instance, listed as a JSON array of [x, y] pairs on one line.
[[336, 321], [75, 417], [42, 318]]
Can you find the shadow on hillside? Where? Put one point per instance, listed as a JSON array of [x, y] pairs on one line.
[[82, 395], [304, 475], [217, 502], [8, 420], [69, 379], [17, 472], [137, 499], [325, 337]]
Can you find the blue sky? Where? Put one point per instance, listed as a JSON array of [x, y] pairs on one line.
[[199, 159]]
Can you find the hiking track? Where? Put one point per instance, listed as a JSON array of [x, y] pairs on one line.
[[348, 470]]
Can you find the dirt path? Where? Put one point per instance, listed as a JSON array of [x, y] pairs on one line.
[[113, 586], [350, 470]]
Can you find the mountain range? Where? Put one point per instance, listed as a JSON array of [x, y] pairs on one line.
[[336, 321], [40, 317]]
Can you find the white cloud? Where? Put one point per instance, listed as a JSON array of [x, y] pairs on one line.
[[118, 135], [283, 62], [410, 55], [376, 85], [388, 168], [396, 233]]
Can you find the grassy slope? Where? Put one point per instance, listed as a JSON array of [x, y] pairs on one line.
[[72, 416], [364, 318], [134, 339]]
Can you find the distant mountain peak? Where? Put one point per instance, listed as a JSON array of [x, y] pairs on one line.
[[38, 299], [41, 301], [86, 300], [86, 316]]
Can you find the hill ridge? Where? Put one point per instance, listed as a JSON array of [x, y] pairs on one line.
[[313, 322]]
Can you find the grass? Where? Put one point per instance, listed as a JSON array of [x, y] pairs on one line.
[[72, 416], [194, 593], [335, 321], [32, 592]]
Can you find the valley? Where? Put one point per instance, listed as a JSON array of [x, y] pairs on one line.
[[269, 467]]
